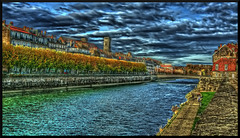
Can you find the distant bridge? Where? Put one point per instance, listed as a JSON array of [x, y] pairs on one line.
[[177, 76]]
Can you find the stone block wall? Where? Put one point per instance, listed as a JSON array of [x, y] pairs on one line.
[[50, 82], [220, 118], [209, 84]]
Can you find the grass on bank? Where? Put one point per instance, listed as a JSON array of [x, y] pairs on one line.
[[206, 98]]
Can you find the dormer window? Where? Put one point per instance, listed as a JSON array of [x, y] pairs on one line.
[[226, 66], [216, 67]]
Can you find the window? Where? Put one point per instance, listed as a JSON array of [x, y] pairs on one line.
[[216, 67], [12, 34], [18, 35], [226, 66]]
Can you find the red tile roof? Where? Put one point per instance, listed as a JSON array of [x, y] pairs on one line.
[[165, 66], [234, 46], [13, 28]]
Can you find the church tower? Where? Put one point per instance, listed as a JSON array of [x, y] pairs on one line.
[[107, 44]]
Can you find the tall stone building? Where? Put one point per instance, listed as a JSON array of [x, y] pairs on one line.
[[6, 32], [107, 44]]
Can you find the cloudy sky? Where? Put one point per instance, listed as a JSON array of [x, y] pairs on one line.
[[176, 33]]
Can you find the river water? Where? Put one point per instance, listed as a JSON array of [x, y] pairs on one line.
[[114, 111]]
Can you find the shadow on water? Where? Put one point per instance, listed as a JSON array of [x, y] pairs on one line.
[[180, 81]]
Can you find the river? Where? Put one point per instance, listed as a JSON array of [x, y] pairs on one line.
[[114, 111]]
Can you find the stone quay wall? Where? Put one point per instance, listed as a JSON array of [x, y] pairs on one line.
[[52, 82], [220, 118], [208, 84], [211, 84]]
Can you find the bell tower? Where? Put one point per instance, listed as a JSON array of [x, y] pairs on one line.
[[107, 44]]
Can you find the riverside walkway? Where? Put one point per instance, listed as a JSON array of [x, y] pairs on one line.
[[182, 124]]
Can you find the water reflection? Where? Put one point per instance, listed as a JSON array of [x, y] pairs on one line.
[[116, 111]]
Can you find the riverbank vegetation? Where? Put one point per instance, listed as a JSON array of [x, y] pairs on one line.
[[45, 60], [206, 98]]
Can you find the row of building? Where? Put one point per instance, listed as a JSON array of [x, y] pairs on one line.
[[225, 64], [34, 38], [189, 69]]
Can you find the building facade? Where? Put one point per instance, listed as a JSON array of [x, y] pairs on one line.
[[39, 39], [29, 37], [225, 60]]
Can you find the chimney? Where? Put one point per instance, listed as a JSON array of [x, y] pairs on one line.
[[52, 37], [220, 45], [11, 23], [41, 32], [36, 32], [24, 28], [27, 29], [45, 33]]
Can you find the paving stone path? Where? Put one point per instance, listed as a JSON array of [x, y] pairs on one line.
[[182, 124], [220, 118]]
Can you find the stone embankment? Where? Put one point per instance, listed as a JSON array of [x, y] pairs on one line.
[[23, 83], [208, 84], [221, 115], [182, 124], [219, 118]]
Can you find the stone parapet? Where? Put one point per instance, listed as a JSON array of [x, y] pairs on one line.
[[51, 82], [209, 84]]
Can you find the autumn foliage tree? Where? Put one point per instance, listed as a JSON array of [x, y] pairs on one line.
[[46, 59]]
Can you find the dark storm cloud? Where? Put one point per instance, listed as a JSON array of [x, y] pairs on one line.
[[176, 33], [87, 17], [64, 9]]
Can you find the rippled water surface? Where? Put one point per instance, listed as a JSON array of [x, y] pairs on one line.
[[123, 110]]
